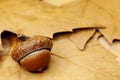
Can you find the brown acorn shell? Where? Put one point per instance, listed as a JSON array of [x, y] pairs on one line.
[[36, 61]]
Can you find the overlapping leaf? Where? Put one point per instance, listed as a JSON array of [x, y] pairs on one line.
[[68, 63], [40, 18], [37, 17]]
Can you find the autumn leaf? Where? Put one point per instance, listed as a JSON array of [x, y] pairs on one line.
[[96, 62], [23, 16], [68, 63], [103, 13], [72, 14], [95, 58], [41, 18]]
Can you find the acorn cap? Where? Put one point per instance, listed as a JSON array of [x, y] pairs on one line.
[[22, 49]]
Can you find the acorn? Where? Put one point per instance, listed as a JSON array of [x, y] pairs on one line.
[[33, 54]]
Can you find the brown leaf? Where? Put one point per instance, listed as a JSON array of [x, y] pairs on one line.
[[40, 18], [68, 63], [95, 58], [33, 17]]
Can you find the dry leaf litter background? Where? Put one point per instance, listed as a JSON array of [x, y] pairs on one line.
[[90, 26]]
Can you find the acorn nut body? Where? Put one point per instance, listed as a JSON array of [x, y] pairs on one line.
[[33, 54]]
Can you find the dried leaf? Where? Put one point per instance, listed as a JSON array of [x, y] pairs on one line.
[[23, 18], [33, 17], [77, 14], [68, 63], [95, 58]]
